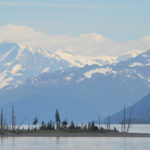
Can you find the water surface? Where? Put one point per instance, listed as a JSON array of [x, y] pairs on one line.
[[98, 143], [84, 143]]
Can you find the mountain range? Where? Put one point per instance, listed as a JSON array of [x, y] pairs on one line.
[[19, 63], [38, 81]]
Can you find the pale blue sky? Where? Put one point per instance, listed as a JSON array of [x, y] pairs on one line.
[[119, 20]]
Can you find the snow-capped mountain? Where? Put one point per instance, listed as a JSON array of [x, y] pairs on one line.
[[130, 54], [80, 90], [19, 63], [134, 68]]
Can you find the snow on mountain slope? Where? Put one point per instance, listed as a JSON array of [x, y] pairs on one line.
[[80, 61], [134, 68], [99, 70], [99, 89], [129, 54], [93, 87], [18, 63]]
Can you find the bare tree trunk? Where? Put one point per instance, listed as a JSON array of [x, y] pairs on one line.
[[13, 119], [124, 119], [99, 121], [129, 122], [2, 120]]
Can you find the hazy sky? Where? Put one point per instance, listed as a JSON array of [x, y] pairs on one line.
[[119, 21]]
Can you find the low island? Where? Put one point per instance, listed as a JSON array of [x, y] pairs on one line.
[[60, 128]]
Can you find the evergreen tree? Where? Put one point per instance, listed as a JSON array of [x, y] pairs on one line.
[[35, 122], [72, 125], [89, 126], [85, 127], [64, 124], [93, 127], [50, 125], [57, 119], [43, 126], [93, 124]]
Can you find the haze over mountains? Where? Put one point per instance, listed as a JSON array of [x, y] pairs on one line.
[[37, 81]]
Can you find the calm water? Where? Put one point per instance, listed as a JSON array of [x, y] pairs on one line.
[[97, 143], [140, 128], [25, 143]]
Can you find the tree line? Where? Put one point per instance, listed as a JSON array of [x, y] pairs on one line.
[[64, 125], [56, 125]]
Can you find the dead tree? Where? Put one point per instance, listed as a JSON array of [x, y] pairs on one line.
[[99, 121], [109, 122], [2, 120], [122, 125], [13, 119], [129, 121], [124, 119]]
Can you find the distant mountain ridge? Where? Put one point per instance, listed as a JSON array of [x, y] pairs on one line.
[[79, 92], [82, 93], [19, 63], [140, 112]]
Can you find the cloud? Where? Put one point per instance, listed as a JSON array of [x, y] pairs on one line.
[[85, 44]]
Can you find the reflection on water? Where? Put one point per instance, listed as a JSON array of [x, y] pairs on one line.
[[100, 143], [84, 143]]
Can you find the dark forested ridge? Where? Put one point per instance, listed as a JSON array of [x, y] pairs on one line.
[[140, 114]]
